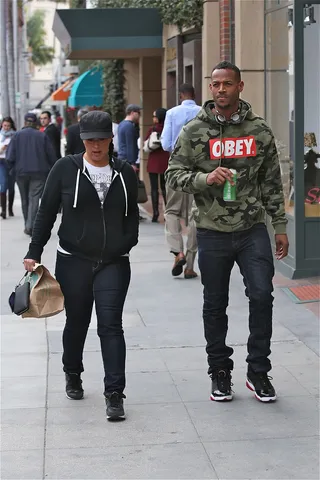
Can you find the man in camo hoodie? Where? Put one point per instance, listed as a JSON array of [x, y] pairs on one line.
[[226, 135]]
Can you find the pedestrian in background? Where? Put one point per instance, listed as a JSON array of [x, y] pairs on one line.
[[52, 132], [99, 227], [30, 157], [74, 143], [227, 142], [179, 203], [115, 140], [157, 162], [128, 134], [7, 182]]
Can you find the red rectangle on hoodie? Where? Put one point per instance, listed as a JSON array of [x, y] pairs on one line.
[[240, 147]]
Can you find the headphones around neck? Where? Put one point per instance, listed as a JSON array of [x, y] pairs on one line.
[[235, 117]]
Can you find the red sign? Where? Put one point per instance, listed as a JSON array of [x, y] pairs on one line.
[[313, 195], [241, 147]]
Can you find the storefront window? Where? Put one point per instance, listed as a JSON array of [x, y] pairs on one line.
[[312, 110], [280, 93], [269, 4]]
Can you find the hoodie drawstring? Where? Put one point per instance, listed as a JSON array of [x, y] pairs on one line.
[[220, 163], [77, 190], [116, 173], [125, 192], [221, 133]]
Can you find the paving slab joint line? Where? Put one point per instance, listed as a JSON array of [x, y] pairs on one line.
[[177, 347], [140, 316], [297, 378], [46, 405], [200, 440]]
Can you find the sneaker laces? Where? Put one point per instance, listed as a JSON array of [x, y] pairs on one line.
[[264, 379], [115, 398], [74, 381], [223, 379]]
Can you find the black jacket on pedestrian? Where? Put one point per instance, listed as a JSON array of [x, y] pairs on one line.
[[55, 138], [89, 229], [74, 143], [30, 153]]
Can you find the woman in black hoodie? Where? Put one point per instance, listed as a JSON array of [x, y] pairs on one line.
[[100, 221]]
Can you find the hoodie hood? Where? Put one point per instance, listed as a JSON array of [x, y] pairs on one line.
[[115, 163], [206, 114]]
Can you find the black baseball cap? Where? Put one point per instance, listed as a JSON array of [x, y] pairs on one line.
[[133, 108], [95, 124], [30, 117]]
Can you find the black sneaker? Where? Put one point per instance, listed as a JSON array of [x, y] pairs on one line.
[[114, 402], [260, 384], [221, 385], [74, 389]]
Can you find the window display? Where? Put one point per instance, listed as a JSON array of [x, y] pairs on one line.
[[312, 110]]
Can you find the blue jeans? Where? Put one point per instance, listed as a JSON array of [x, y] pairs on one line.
[[82, 284], [3, 176], [251, 250]]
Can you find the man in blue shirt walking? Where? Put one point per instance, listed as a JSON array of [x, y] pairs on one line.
[[128, 134], [179, 203]]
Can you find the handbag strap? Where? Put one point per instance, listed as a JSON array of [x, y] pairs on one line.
[[19, 283]]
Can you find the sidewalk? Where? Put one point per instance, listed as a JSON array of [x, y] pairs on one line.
[[172, 430]]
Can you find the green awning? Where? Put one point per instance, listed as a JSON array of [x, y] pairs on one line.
[[87, 90], [109, 32]]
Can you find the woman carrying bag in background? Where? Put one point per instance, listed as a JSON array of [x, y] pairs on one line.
[[8, 129], [157, 161], [99, 227]]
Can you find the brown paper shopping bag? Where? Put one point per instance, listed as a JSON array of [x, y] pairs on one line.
[[46, 298]]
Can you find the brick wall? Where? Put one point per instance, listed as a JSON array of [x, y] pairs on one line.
[[226, 40]]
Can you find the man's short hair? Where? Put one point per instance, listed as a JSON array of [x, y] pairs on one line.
[[187, 89], [228, 66], [132, 107], [46, 112], [81, 112]]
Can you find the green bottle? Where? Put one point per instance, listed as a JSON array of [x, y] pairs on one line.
[[229, 191]]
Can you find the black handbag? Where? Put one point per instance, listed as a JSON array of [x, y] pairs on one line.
[[142, 192], [19, 300]]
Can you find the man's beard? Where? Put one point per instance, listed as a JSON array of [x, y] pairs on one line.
[[223, 107]]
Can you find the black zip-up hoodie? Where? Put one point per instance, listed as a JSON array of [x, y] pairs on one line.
[[89, 229]]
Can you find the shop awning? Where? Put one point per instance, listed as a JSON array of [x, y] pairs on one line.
[[39, 105], [109, 32], [62, 93], [87, 90]]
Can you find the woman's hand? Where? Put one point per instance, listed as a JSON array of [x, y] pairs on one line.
[[29, 264]]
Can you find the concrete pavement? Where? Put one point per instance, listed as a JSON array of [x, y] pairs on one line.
[[172, 430]]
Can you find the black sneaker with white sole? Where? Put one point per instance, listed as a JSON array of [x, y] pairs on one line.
[[221, 390], [114, 403], [259, 383], [74, 389]]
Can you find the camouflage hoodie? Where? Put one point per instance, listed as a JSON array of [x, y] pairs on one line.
[[247, 147]]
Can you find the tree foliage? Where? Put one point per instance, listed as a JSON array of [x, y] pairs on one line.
[[183, 13], [77, 3], [113, 77], [36, 34]]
